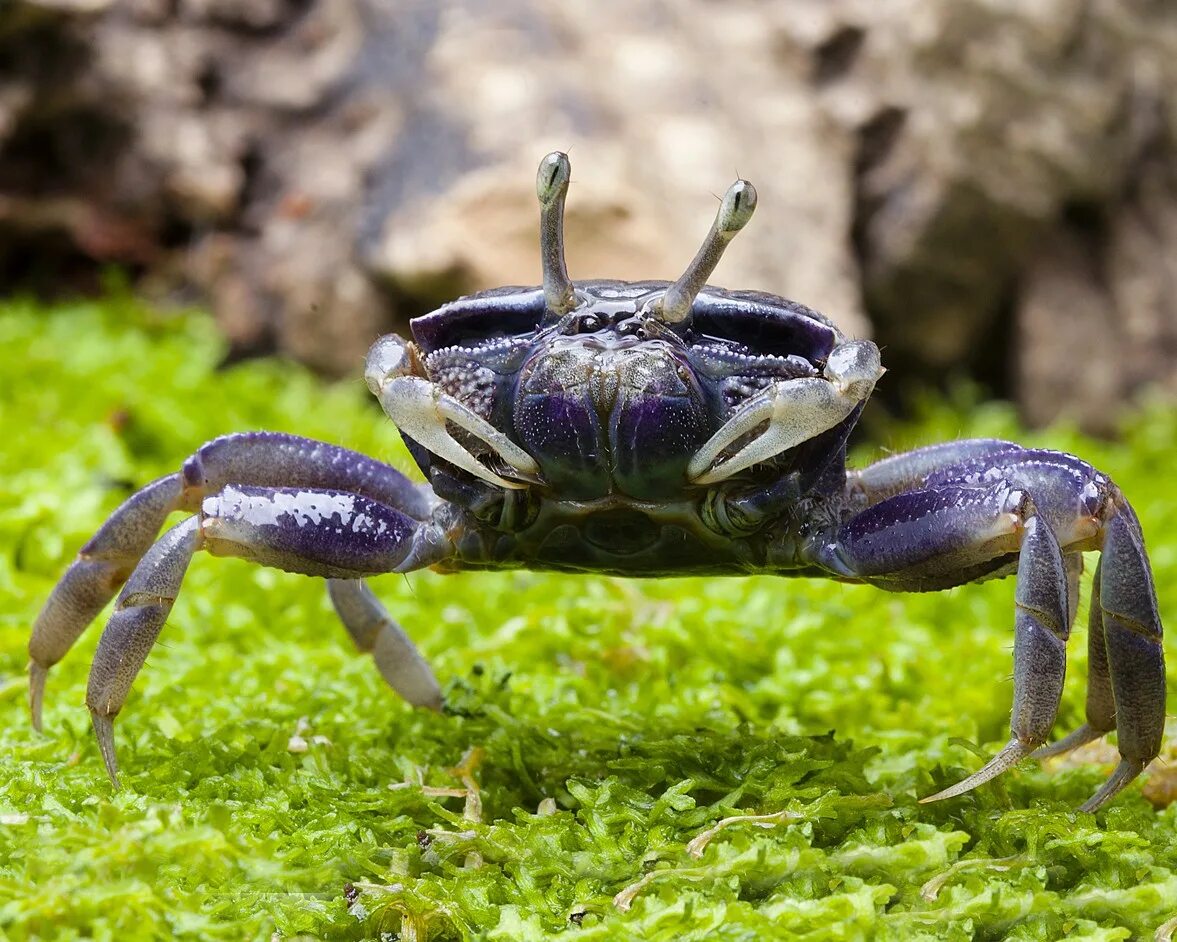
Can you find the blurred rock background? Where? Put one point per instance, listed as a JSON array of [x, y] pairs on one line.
[[986, 187]]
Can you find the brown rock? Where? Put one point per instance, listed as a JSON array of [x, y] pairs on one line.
[[990, 182]]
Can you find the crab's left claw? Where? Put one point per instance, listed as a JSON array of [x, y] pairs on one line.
[[795, 411]]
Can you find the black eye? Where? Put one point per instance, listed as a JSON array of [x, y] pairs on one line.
[[591, 323]]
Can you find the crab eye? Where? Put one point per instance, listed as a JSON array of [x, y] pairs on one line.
[[591, 323]]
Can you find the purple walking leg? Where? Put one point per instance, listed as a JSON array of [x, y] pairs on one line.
[[271, 459], [951, 514], [315, 532]]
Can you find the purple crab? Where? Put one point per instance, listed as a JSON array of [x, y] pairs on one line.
[[639, 429]]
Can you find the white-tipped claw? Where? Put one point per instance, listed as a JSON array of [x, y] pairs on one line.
[[795, 411], [388, 357], [736, 208], [420, 411], [1013, 753]]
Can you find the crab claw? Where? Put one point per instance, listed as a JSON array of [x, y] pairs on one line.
[[421, 411]]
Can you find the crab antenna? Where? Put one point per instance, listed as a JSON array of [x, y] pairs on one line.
[[551, 185], [739, 202]]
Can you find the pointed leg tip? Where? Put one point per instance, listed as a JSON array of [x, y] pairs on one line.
[[37, 678], [1122, 776], [104, 732], [431, 697], [1010, 755], [954, 791]]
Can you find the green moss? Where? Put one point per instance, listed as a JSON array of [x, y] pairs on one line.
[[638, 713]]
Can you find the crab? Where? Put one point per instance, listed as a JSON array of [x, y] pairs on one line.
[[639, 429]]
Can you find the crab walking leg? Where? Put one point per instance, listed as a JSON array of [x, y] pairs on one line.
[[315, 532], [1136, 658], [1101, 704], [102, 565], [938, 537], [374, 632], [910, 469], [258, 458], [1084, 508], [1126, 662], [1041, 629], [140, 612], [795, 411]]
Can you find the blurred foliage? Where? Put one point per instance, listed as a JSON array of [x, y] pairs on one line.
[[273, 784]]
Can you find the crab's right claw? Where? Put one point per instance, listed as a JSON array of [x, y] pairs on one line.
[[421, 411]]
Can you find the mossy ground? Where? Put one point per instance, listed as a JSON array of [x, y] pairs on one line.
[[614, 720]]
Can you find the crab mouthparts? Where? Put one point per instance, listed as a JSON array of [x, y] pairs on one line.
[[611, 420]]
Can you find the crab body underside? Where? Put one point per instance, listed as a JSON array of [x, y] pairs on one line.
[[639, 429]]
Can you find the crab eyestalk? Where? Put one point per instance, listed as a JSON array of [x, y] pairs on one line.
[[551, 186], [739, 202]]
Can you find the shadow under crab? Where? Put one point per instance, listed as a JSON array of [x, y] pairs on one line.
[[639, 429]]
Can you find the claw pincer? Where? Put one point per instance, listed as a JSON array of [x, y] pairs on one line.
[[639, 429]]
